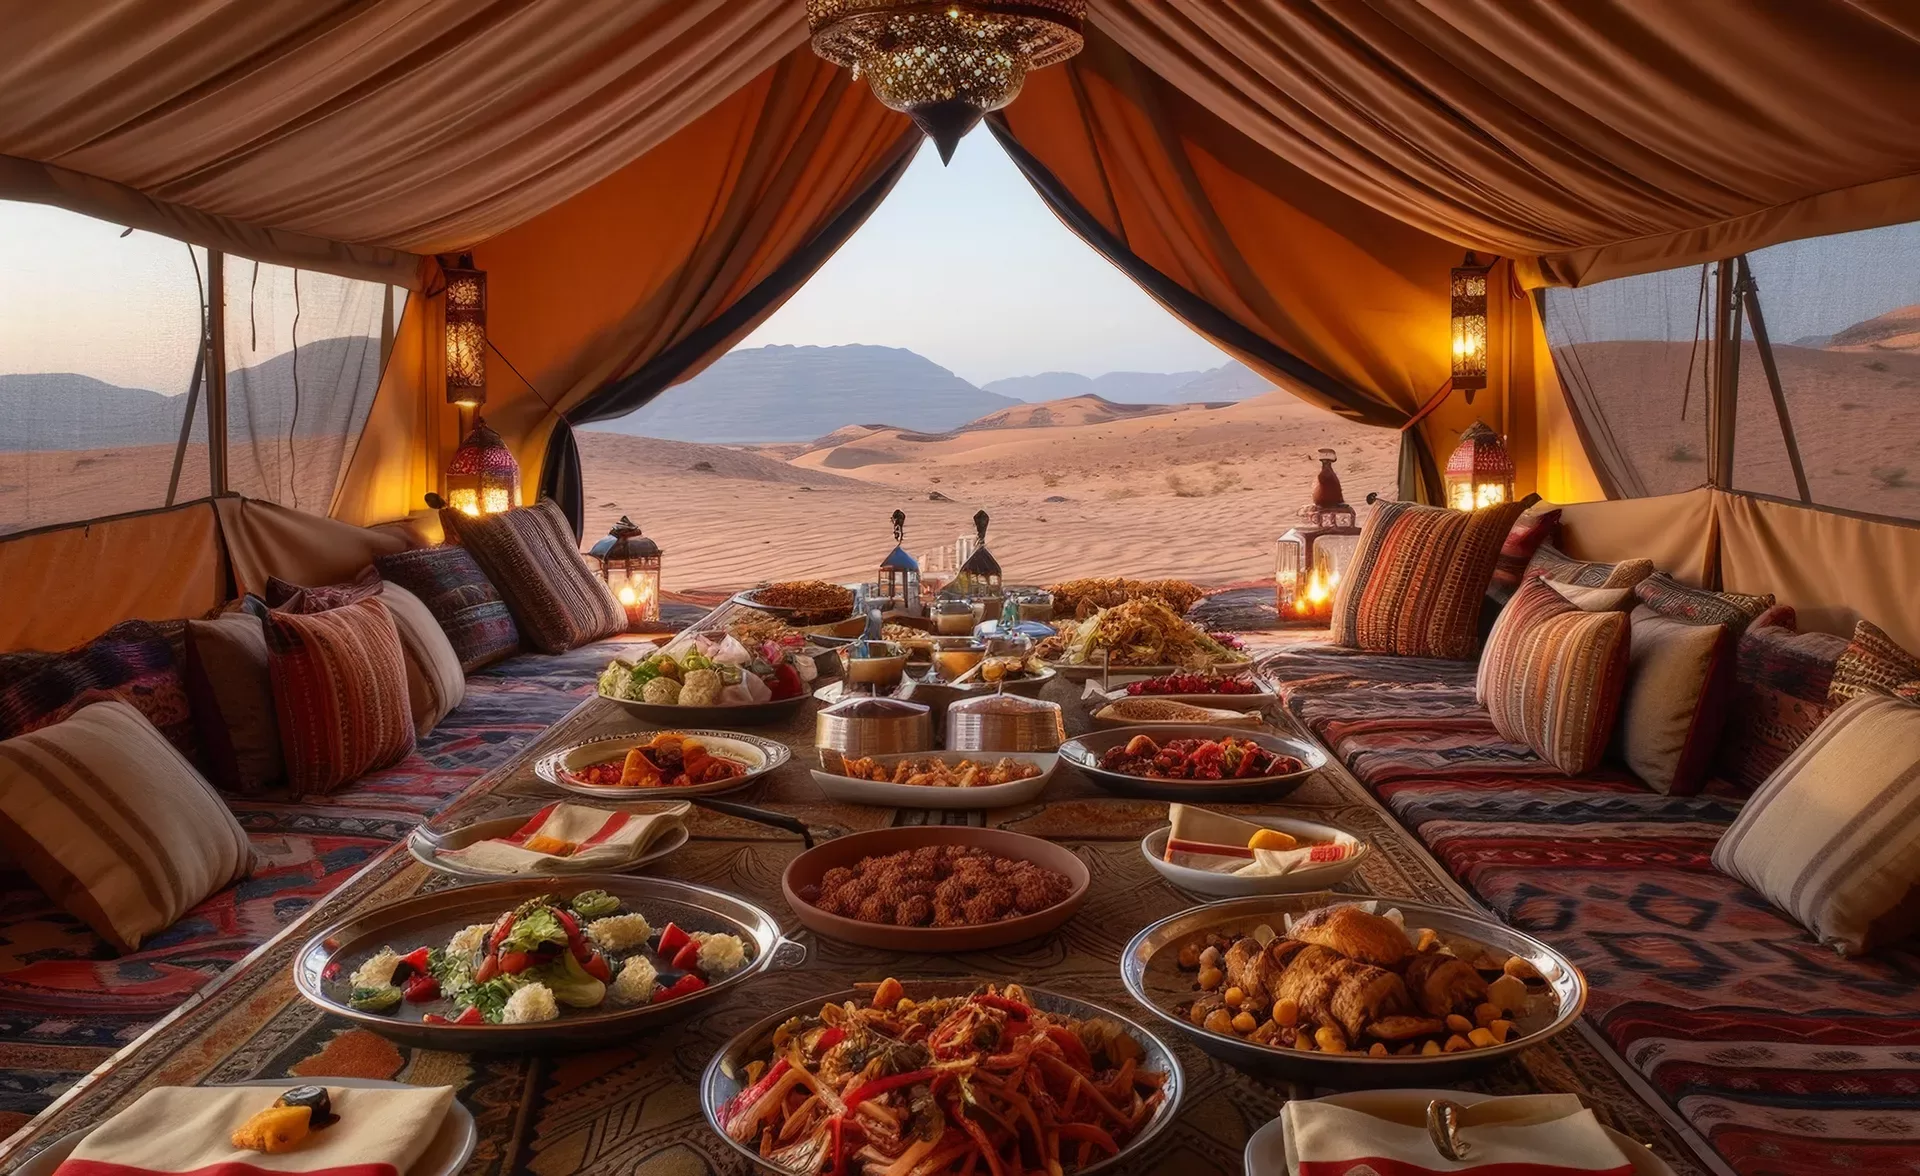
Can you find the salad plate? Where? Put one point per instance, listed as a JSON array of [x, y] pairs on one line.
[[324, 968], [735, 688], [563, 768]]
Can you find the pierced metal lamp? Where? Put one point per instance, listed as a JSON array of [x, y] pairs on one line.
[[1311, 557], [483, 477], [1481, 471], [630, 565], [1468, 288], [466, 314]]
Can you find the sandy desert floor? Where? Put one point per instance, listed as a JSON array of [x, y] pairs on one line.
[[1199, 492]]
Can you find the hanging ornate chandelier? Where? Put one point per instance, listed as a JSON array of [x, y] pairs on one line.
[[946, 64]]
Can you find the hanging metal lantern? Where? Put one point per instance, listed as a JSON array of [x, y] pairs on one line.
[[483, 477], [630, 565], [980, 574], [946, 64], [898, 582], [1469, 314], [1311, 557], [1481, 471], [465, 300]]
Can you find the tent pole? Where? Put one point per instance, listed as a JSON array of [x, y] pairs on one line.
[[1724, 401], [1750, 297], [186, 421], [217, 370]]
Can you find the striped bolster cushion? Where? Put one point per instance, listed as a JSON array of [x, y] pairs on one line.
[[1829, 838], [114, 824], [1418, 576], [532, 557], [1553, 671], [339, 692]]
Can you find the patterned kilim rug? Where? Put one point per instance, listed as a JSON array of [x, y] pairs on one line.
[[634, 1108]]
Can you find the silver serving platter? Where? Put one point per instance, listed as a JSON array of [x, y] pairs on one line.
[[554, 766], [1263, 695], [1150, 969], [426, 845], [738, 714], [1081, 671], [1085, 752], [748, 599], [323, 967], [724, 1074]]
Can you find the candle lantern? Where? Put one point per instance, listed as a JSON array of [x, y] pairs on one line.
[[1468, 290], [630, 564], [1310, 557], [465, 300], [1480, 472], [899, 578], [483, 478], [980, 574]]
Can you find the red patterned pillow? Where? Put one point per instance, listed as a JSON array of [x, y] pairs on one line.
[[134, 662], [294, 598], [1555, 668], [1418, 577], [1529, 531], [1780, 687], [340, 693], [530, 554], [1874, 663], [1701, 606]]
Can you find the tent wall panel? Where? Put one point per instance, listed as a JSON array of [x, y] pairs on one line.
[[411, 430], [1675, 531], [263, 540], [1833, 569], [61, 587]]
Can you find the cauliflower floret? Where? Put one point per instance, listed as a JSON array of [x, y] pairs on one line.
[[702, 688], [661, 692], [620, 932], [636, 981], [720, 955], [530, 1004], [377, 972], [467, 940]]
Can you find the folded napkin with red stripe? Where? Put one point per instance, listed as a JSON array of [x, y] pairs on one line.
[[1526, 1135], [570, 838], [1203, 840], [179, 1129]]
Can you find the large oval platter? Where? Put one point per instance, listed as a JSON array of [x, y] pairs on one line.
[[760, 756], [1085, 751], [854, 790], [725, 1076], [740, 714], [323, 968]]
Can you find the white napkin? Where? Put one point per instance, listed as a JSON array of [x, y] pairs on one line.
[[606, 840], [186, 1128], [1192, 824], [1526, 1135]]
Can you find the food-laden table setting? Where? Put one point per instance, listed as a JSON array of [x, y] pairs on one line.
[[596, 1095]]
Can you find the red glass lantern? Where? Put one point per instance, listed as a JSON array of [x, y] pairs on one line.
[[465, 300], [483, 477], [1310, 558], [1480, 472]]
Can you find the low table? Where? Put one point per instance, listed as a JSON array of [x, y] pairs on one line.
[[635, 1108]]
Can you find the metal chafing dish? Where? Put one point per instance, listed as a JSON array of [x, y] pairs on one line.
[[1004, 722], [863, 725]]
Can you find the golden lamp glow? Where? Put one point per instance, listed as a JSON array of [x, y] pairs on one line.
[[1317, 599], [1481, 472], [630, 565], [483, 477], [465, 300], [1468, 290]]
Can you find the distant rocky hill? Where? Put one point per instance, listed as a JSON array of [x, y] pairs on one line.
[[62, 410], [1896, 330], [1230, 381], [787, 393], [1085, 409]]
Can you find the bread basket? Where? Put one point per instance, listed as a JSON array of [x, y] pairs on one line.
[[1004, 722], [863, 725]]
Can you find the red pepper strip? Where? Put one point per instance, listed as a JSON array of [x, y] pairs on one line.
[[1093, 1092], [837, 1128], [980, 1137], [1087, 1132], [880, 1086], [1071, 1046], [756, 1092], [832, 1037]]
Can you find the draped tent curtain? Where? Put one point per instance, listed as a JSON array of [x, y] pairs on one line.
[[1584, 140]]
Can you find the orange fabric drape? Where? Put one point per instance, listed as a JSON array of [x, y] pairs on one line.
[[61, 587], [419, 125], [1590, 140]]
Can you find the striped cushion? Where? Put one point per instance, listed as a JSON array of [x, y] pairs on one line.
[[460, 597], [1700, 606], [1418, 577], [1528, 532], [1830, 837], [435, 681], [1780, 685], [340, 693], [532, 557], [114, 824], [1554, 670], [1554, 564], [1874, 663]]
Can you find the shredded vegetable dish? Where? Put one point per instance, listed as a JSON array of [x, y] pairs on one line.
[[984, 1084], [1138, 633]]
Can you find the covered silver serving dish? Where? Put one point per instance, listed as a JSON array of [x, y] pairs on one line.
[[1004, 722], [863, 725]]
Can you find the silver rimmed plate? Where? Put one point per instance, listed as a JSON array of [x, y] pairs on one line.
[[730, 715], [759, 755], [1257, 699], [1214, 884], [324, 966], [1080, 672], [988, 796], [428, 846], [1150, 969], [726, 1073], [750, 598], [448, 1152], [1085, 752]]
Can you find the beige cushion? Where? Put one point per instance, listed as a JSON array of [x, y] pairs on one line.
[[1833, 837], [114, 824], [1678, 675], [435, 684], [1554, 668], [232, 696]]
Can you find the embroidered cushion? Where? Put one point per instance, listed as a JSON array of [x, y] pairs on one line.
[[1554, 669], [469, 610], [1874, 664], [1780, 686], [1678, 678], [1418, 576], [532, 557], [1554, 564], [435, 681], [340, 693], [135, 662], [106, 816], [1529, 531], [295, 599], [232, 693], [1699, 606], [1829, 839]]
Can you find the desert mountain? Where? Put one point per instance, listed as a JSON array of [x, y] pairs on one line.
[[786, 393], [1896, 330], [1087, 409], [65, 411], [1230, 381]]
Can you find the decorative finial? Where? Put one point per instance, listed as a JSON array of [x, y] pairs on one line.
[[899, 525], [625, 527], [980, 524]]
